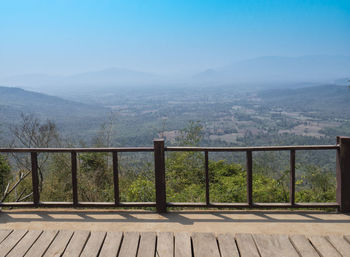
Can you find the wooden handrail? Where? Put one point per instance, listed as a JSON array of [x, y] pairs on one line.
[[158, 149]]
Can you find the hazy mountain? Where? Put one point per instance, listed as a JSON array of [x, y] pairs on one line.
[[274, 69], [69, 115], [271, 71], [87, 81]]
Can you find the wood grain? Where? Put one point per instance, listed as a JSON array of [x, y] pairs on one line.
[[94, 244], [205, 245], [303, 246], [246, 245], [26, 242], [183, 245], [274, 245], [165, 244], [323, 247], [147, 247], [76, 243], [59, 244], [130, 244], [227, 245], [43, 242], [4, 233], [339, 243], [111, 245], [10, 242]]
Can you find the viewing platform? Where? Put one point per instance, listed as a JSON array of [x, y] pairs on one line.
[[207, 233], [75, 229]]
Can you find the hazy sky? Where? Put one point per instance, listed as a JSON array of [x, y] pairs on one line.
[[64, 37]]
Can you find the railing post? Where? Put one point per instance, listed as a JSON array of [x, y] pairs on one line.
[[292, 178], [249, 160], [343, 174], [35, 178], [159, 168], [207, 192], [74, 178], [116, 178]]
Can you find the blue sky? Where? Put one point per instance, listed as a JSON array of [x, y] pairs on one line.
[[66, 36]]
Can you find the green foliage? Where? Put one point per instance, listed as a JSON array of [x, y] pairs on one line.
[[141, 190], [4, 173], [317, 185], [95, 178]]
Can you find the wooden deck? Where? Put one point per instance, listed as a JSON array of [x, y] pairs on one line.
[[163, 244]]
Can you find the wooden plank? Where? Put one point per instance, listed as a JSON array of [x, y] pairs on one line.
[[274, 245], [25, 244], [339, 243], [183, 245], [147, 247], [347, 238], [303, 246], [323, 247], [77, 243], [246, 245], [4, 233], [227, 245], [93, 245], [130, 244], [43, 242], [10, 242], [205, 245], [59, 244], [111, 244], [165, 244]]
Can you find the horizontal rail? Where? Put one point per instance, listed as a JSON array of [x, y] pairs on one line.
[[254, 205], [174, 149], [80, 204], [254, 148], [169, 204], [80, 150]]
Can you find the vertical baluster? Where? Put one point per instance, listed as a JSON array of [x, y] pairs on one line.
[[35, 178], [74, 178], [343, 174], [206, 157], [159, 169], [292, 178], [116, 178], [250, 178]]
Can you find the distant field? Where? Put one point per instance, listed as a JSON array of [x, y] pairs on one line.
[[228, 116]]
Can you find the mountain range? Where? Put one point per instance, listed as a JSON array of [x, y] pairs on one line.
[[268, 70]]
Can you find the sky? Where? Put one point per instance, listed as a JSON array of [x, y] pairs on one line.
[[65, 37]]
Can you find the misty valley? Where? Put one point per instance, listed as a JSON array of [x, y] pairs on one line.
[[198, 115]]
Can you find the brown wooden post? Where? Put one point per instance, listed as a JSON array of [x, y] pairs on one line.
[[74, 178], [159, 169], [343, 174], [35, 178], [292, 178], [116, 178], [250, 178], [207, 192]]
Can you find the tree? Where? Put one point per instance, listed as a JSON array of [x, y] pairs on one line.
[[30, 132]]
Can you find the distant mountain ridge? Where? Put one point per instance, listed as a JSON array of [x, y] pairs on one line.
[[14, 101], [272, 69], [265, 71]]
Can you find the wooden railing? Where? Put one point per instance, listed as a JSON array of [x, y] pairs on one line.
[[342, 176]]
